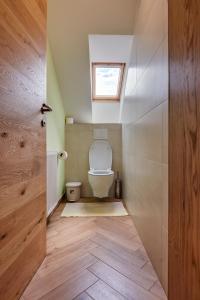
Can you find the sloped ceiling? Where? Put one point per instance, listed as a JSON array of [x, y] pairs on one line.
[[109, 48], [69, 24]]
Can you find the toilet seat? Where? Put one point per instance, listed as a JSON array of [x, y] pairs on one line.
[[100, 156], [101, 172]]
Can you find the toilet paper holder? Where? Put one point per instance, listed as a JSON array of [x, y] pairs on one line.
[[63, 155]]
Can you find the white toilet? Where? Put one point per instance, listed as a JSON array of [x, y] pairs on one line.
[[100, 174]]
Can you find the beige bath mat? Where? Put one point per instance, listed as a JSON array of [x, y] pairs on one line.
[[106, 209]]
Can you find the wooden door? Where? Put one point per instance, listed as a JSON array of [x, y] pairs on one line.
[[184, 152], [22, 143]]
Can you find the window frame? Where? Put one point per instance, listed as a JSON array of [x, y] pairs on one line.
[[95, 65]]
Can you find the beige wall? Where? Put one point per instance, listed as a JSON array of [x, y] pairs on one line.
[[79, 138], [145, 132]]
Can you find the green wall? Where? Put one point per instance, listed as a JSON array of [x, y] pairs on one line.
[[55, 120]]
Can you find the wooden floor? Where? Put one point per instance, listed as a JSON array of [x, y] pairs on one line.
[[94, 258]]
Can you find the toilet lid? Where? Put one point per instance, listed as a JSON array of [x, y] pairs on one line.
[[100, 155]]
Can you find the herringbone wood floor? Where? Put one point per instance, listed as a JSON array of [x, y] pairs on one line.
[[94, 258]]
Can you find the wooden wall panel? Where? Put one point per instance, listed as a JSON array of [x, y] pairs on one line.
[[22, 143], [184, 150]]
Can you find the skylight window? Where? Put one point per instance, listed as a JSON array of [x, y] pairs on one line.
[[107, 81]]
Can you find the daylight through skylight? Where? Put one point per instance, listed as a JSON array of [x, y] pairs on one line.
[[107, 81]]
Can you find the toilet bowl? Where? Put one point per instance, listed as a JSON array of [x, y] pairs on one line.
[[100, 175]]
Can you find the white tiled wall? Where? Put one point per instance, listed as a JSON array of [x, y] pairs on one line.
[[145, 132]]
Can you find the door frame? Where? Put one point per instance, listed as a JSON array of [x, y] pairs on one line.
[[184, 150]]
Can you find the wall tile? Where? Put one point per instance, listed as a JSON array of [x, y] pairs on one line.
[[150, 32], [151, 90], [164, 275], [165, 196], [145, 133], [148, 135], [165, 133]]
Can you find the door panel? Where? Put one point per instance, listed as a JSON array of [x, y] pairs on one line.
[[22, 143], [184, 152]]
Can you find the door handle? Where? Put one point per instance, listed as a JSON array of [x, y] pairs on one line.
[[45, 108]]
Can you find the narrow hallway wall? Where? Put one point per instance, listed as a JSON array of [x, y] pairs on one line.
[[145, 132], [55, 120]]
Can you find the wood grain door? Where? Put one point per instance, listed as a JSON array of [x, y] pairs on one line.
[[22, 143], [184, 152]]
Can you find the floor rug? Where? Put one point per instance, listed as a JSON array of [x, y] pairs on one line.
[[106, 209]]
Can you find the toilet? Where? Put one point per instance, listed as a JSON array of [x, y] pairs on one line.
[[100, 175]]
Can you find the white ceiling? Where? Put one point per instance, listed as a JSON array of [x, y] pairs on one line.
[[69, 24]]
